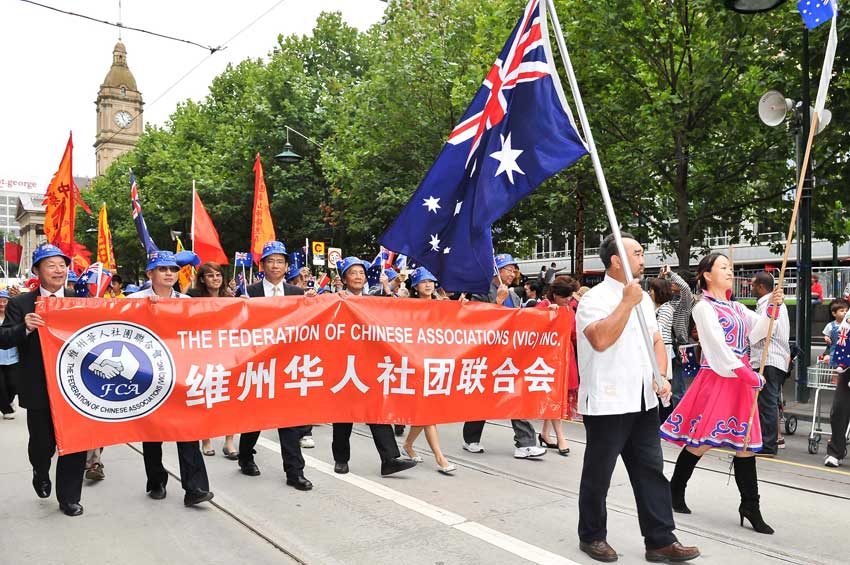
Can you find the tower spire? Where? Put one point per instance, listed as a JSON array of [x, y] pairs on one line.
[[120, 25]]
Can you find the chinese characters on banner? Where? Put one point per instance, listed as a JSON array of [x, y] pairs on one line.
[[132, 370]]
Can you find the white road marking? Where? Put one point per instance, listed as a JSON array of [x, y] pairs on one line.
[[503, 541]]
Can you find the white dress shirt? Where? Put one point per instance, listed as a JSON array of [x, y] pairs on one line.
[[268, 288], [149, 292], [45, 293], [612, 380]]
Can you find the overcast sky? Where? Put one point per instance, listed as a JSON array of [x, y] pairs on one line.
[[52, 64]]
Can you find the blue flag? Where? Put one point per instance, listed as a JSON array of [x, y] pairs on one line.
[[816, 12], [240, 283], [841, 357], [298, 258], [141, 227], [689, 360], [242, 259], [517, 132]]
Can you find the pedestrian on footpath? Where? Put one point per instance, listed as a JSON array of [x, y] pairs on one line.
[[274, 259], [162, 272], [423, 283], [209, 283], [20, 329], [8, 361], [716, 409], [839, 415], [352, 271], [617, 397], [776, 368], [501, 293]]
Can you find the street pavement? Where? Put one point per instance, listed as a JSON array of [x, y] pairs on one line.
[[494, 510]]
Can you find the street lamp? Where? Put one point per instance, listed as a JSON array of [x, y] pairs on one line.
[[804, 219], [752, 6], [288, 155]]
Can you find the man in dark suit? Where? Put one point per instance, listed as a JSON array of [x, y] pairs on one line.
[[20, 329], [353, 273], [274, 259]]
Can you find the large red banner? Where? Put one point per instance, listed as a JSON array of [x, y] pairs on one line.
[[177, 369]]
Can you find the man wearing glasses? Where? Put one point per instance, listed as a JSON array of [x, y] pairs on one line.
[[162, 271], [274, 260], [503, 295]]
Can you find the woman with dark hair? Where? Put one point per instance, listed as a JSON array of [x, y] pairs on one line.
[[661, 293], [423, 283], [209, 283], [560, 293], [715, 411]]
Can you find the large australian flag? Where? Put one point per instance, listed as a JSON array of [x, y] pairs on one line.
[[517, 132]]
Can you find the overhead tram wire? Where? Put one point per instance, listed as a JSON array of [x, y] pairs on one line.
[[119, 25], [198, 64]]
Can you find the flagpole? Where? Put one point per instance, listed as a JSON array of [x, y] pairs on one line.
[[234, 266], [307, 254], [192, 233], [603, 187]]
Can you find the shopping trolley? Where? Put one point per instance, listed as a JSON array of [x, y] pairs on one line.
[[820, 377]]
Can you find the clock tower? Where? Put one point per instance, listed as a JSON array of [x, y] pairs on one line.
[[119, 112]]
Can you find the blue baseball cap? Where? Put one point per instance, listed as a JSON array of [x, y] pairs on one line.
[[421, 274], [391, 274], [131, 288], [72, 277], [293, 271], [505, 259], [349, 262], [161, 259], [272, 248], [4, 293], [46, 250]]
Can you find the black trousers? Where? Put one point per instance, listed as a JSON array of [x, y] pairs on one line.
[[382, 435], [524, 434], [839, 417], [42, 446], [769, 408], [634, 437], [290, 449], [193, 471], [7, 389]]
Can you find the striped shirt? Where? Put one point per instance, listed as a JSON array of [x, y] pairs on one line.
[[779, 353], [682, 303], [664, 315]]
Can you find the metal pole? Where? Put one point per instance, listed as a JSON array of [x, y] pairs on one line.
[[603, 186], [804, 243]]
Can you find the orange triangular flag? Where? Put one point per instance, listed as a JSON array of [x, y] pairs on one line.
[[60, 212], [105, 252], [205, 241], [262, 229]]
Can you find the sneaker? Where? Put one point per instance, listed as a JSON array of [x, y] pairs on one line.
[[831, 461], [474, 447], [95, 472], [780, 443], [530, 451], [307, 442]]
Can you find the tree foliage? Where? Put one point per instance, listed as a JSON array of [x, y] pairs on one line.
[[670, 87]]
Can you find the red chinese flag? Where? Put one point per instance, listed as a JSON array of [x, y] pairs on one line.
[[60, 212], [12, 251], [205, 241], [262, 229]]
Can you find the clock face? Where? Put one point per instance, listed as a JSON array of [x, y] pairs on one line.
[[123, 119]]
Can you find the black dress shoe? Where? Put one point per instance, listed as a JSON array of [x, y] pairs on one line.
[[396, 465], [249, 468], [157, 492], [42, 486], [599, 550], [398, 429], [300, 483], [341, 468], [71, 508], [193, 497]]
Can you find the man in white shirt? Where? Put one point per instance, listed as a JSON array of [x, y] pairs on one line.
[[617, 397], [162, 271], [776, 367]]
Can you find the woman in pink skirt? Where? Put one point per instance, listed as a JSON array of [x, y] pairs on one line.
[[716, 409]]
